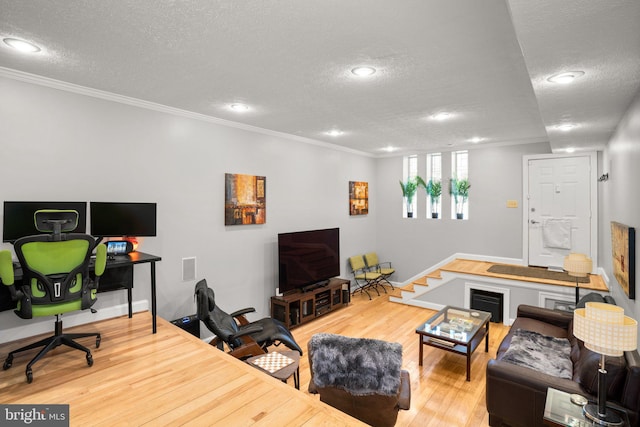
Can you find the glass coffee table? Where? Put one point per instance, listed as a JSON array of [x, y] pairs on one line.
[[458, 330]]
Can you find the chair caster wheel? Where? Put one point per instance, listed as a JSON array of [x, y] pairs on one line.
[[29, 376], [7, 363], [89, 360], [98, 339]]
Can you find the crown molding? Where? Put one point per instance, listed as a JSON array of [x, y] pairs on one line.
[[135, 102]]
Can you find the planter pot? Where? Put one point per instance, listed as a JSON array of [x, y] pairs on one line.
[[409, 214], [459, 216], [434, 215]]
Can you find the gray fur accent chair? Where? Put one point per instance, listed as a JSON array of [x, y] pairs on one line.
[[359, 376]]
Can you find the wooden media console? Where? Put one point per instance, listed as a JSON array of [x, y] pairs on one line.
[[298, 307]]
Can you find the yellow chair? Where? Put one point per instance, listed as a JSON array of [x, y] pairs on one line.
[[373, 263], [364, 278]]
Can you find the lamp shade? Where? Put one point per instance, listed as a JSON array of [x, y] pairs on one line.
[[605, 329], [577, 265]]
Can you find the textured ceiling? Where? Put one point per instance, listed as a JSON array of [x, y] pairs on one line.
[[486, 62]]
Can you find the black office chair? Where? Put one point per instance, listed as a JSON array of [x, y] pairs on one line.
[[55, 279], [244, 339]]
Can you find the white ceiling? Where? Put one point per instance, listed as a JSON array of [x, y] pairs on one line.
[[486, 62]]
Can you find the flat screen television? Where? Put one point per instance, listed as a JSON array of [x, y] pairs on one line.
[[308, 257], [116, 219], [18, 220]]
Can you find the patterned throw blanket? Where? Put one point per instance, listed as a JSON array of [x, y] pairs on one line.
[[548, 355]]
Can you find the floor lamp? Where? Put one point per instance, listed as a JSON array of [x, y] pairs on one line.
[[577, 265], [607, 331]]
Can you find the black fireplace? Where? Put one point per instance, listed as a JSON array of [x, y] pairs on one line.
[[491, 302]]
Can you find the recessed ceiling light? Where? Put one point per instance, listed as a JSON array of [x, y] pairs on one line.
[[566, 77], [442, 116], [476, 139], [566, 127], [334, 132], [239, 108], [21, 45], [364, 71]]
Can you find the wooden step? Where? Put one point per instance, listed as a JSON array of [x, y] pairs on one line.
[[422, 281], [480, 268], [435, 274]]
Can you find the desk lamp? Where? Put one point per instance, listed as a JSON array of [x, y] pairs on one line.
[[577, 265], [607, 331]]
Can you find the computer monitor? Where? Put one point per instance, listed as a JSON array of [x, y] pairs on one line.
[[117, 219], [18, 220]]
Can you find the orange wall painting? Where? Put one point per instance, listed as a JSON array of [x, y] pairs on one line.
[[358, 198], [245, 199]]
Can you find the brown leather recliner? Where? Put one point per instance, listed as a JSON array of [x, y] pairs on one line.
[[359, 376]]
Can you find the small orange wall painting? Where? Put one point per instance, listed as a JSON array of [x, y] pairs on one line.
[[358, 198], [245, 199], [623, 248]]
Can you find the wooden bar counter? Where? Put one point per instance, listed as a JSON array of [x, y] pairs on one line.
[[167, 378]]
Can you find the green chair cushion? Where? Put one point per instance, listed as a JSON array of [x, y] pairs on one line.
[[368, 276], [55, 257], [6, 268], [357, 262]]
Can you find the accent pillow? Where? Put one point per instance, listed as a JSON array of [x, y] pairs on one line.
[[544, 354]]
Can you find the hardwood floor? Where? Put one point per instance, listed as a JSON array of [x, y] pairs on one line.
[[481, 268], [166, 379], [172, 378], [440, 394]]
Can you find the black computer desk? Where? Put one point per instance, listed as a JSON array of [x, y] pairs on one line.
[[118, 275]]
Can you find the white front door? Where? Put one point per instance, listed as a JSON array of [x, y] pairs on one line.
[[559, 209]]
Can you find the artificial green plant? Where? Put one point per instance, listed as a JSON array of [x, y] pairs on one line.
[[460, 192], [434, 190], [409, 190]]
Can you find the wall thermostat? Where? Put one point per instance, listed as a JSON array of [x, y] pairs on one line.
[[119, 247]]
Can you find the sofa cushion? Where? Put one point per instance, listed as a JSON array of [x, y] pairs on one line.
[[585, 372], [590, 297], [533, 325], [541, 353]]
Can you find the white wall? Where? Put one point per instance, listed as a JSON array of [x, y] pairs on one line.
[[58, 145], [620, 198], [495, 174]]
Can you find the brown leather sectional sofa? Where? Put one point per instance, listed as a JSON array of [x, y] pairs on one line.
[[516, 395]]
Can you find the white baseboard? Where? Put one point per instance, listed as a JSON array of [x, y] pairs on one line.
[[42, 325]]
